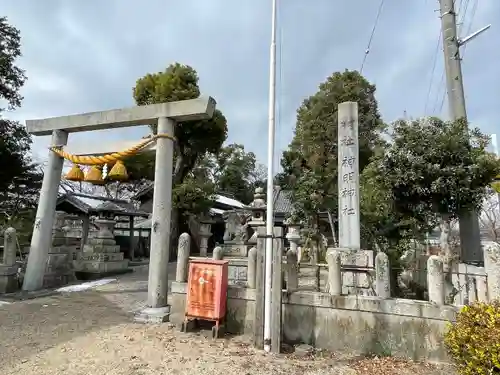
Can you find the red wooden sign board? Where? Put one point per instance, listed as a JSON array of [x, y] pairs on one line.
[[207, 292]]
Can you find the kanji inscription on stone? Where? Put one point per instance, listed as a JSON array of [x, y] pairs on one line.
[[348, 176]]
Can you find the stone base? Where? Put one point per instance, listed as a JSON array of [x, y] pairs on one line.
[[8, 279], [99, 265], [237, 271], [89, 275], [101, 248], [235, 249], [153, 315], [56, 280], [8, 284]]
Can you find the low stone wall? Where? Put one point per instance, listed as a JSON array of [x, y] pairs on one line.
[[354, 324]]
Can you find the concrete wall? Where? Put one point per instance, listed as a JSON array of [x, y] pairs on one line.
[[354, 324]]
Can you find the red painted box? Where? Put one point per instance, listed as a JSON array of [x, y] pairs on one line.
[[207, 289]]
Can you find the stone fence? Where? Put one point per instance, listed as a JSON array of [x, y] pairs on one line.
[[339, 318]]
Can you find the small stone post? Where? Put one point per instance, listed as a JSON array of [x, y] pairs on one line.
[[10, 247], [218, 253], [259, 290], [252, 270], [492, 266], [435, 280], [8, 267], [482, 289], [382, 276], [183, 248], [205, 234], [334, 272], [292, 270]]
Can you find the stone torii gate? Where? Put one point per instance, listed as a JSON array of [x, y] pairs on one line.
[[165, 115]]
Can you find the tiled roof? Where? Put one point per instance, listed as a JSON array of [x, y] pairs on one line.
[[282, 201], [96, 205]]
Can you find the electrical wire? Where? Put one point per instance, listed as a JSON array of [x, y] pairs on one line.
[[367, 51], [436, 52]]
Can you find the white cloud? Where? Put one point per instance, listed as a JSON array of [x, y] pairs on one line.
[[86, 56]]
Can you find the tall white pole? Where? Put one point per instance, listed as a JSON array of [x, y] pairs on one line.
[[494, 143], [270, 186]]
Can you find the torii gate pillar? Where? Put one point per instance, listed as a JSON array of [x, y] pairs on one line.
[[165, 115]]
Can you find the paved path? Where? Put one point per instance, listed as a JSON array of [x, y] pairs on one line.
[[92, 332]]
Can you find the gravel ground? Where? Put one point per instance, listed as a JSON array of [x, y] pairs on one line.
[[92, 332]]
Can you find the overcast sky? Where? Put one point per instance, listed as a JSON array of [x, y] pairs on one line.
[[85, 56]]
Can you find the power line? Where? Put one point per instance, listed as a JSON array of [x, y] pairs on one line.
[[436, 52], [367, 51]]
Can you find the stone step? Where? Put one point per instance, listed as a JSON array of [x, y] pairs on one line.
[[64, 249], [96, 249], [100, 267], [100, 257], [54, 280], [101, 241]]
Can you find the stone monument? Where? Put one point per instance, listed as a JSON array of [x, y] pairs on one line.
[[8, 267], [357, 265], [348, 176], [236, 235], [101, 255]]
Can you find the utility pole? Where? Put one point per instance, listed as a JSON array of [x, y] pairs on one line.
[[471, 250], [268, 269], [494, 143]]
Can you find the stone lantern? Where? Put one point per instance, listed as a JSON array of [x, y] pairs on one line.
[[258, 208], [293, 236], [205, 233]]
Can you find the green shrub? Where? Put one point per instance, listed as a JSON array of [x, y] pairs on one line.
[[474, 340]]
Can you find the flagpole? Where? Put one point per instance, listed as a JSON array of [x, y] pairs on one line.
[[494, 143], [270, 185]]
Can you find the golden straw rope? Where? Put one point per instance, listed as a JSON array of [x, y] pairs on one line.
[[108, 158]]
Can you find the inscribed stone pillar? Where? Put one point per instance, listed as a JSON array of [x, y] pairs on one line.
[[435, 280], [9, 247], [218, 253], [492, 266], [333, 258], [382, 275], [183, 249], [348, 176], [292, 270], [252, 264], [8, 267]]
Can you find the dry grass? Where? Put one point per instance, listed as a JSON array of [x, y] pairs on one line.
[[92, 333]]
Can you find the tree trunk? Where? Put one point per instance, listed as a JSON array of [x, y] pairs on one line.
[[448, 258]]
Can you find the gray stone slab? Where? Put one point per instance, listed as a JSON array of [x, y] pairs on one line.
[[153, 315], [185, 110]]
